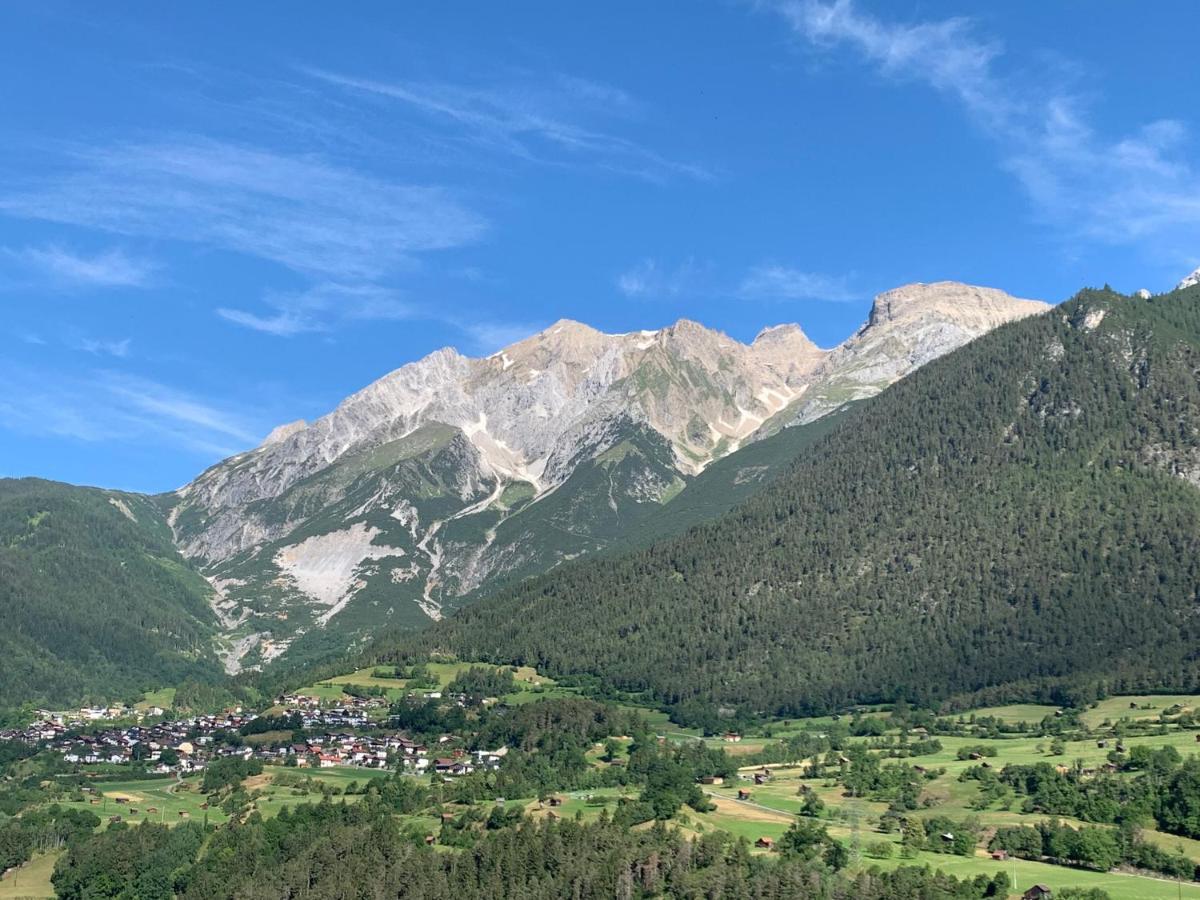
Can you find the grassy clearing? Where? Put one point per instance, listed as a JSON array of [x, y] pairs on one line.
[[168, 802], [1139, 706], [531, 685], [588, 804], [133, 801], [1031, 713], [1025, 874], [323, 691], [31, 879], [164, 697]]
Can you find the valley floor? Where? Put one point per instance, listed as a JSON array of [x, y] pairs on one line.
[[759, 801]]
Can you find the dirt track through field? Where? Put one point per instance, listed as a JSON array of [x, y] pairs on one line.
[[748, 809]]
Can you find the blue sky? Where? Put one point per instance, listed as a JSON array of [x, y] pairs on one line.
[[218, 217]]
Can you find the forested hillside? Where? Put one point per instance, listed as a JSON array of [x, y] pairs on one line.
[[1019, 514], [94, 599], [727, 483]]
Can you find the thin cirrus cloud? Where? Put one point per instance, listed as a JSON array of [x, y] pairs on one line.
[[321, 308], [98, 347], [775, 282], [63, 267], [535, 123], [1132, 188], [328, 307], [302, 212], [104, 406], [653, 280]]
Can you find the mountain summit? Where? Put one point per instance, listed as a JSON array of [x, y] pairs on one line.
[[452, 472]]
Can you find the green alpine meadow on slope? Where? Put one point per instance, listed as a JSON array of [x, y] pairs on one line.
[[1018, 517]]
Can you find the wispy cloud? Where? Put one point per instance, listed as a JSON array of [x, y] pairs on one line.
[[112, 268], [118, 349], [177, 408], [330, 307], [535, 121], [776, 282], [302, 212], [1129, 188], [323, 307], [106, 406], [653, 280]]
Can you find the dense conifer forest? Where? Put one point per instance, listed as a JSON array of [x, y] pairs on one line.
[[1018, 518], [95, 600]]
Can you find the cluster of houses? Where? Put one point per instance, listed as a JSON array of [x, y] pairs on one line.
[[335, 735], [181, 745]]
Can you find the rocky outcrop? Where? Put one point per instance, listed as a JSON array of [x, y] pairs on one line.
[[907, 327]]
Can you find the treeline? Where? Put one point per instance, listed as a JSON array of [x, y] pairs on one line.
[[479, 682], [1009, 519], [1094, 847], [550, 740], [228, 772], [319, 851], [1164, 790], [41, 830]]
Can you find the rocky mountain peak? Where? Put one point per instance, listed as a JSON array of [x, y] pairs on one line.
[[567, 327], [787, 350], [951, 301], [281, 433], [692, 339], [1190, 281], [788, 333]]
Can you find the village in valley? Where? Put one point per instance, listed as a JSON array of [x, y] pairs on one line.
[[459, 748], [348, 733]]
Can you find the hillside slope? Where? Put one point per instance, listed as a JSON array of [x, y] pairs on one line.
[[1021, 511], [95, 600]]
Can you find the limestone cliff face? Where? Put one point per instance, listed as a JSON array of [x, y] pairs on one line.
[[908, 327], [453, 470]]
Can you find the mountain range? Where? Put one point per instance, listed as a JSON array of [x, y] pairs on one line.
[[437, 485], [452, 474]]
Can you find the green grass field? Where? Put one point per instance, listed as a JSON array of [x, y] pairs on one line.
[[531, 685], [588, 804], [1026, 874], [174, 802], [854, 820], [772, 805], [164, 697], [1134, 707], [30, 880], [1031, 713]]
